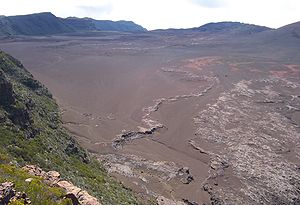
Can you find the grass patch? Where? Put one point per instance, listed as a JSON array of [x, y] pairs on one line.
[[38, 192]]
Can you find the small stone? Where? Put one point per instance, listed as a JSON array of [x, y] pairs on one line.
[[29, 180], [165, 201]]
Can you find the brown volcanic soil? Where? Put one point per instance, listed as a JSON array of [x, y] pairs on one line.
[[203, 118]]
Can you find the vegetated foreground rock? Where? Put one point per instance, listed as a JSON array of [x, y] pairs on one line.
[[9, 194], [77, 195]]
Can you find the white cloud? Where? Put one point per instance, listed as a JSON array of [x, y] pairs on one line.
[[210, 3], [154, 14]]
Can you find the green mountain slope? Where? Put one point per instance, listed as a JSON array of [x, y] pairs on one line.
[[31, 133]]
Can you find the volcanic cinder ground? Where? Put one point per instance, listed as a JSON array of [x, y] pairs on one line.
[[191, 117]]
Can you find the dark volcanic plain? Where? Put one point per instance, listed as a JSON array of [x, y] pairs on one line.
[[181, 115]]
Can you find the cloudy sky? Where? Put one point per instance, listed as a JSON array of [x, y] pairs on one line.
[[153, 14]]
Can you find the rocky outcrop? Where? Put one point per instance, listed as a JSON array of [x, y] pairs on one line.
[[184, 172], [187, 202], [214, 198], [165, 201], [6, 91], [75, 192], [198, 148], [8, 194], [52, 178], [138, 167], [17, 112], [143, 173], [2, 118], [122, 139]]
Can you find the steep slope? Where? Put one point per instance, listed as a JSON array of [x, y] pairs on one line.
[[31, 132], [88, 24], [5, 26], [80, 24], [293, 29], [284, 34], [282, 42]]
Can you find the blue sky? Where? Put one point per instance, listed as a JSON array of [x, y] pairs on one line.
[[154, 14]]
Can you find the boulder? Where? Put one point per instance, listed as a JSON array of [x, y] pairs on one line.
[[28, 180], [7, 192], [34, 170], [52, 177]]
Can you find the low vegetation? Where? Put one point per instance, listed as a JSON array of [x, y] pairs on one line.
[[36, 190]]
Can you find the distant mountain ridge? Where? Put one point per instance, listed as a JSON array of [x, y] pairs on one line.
[[47, 24], [234, 27], [226, 27]]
